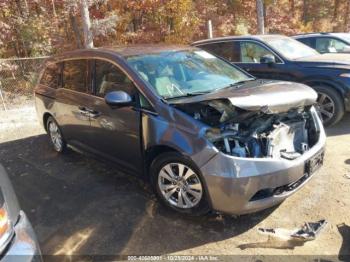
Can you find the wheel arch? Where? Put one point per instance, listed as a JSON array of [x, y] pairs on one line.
[[153, 152], [325, 82], [45, 118], [157, 150]]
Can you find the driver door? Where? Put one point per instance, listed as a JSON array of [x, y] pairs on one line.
[[115, 130]]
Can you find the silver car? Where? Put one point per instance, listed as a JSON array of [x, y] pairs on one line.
[[17, 238], [207, 135]]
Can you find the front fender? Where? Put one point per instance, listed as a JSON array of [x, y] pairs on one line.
[[183, 136]]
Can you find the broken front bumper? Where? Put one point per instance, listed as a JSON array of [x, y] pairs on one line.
[[245, 185]]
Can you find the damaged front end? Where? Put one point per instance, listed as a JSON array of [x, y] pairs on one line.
[[269, 141], [270, 125]]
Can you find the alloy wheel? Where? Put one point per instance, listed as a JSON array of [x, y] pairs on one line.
[[180, 185], [56, 137], [325, 106]]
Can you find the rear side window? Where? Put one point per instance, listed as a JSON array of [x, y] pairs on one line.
[[51, 75], [329, 45], [110, 78], [75, 75], [227, 50], [306, 41]]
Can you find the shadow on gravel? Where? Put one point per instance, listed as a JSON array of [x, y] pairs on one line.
[[273, 243], [80, 206], [342, 128], [344, 252]]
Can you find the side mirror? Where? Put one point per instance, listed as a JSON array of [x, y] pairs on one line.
[[118, 98], [268, 59], [346, 49]]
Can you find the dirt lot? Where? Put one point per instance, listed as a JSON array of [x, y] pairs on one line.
[[79, 205]]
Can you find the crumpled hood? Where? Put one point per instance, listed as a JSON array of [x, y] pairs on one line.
[[330, 60], [261, 95]]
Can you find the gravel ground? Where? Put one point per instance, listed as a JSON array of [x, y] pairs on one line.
[[82, 206]]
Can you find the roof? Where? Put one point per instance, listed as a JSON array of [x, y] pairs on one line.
[[124, 51], [320, 34], [241, 37], [140, 49]]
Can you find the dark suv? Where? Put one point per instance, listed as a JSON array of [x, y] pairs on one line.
[[207, 134], [326, 42], [283, 58]]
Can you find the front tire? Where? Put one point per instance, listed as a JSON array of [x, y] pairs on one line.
[[178, 184], [330, 105], [55, 135]]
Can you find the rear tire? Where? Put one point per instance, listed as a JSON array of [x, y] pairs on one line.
[[55, 134], [330, 105], [178, 184]]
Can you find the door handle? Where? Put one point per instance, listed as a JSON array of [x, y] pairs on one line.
[[89, 112], [94, 114], [82, 110]]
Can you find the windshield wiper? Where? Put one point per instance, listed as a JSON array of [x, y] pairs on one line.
[[207, 92], [242, 82], [235, 84], [187, 95]]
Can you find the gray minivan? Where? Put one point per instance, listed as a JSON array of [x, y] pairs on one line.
[[208, 135]]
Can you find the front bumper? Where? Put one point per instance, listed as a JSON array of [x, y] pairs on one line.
[[23, 245], [232, 183]]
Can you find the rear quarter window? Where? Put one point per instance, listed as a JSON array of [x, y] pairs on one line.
[[51, 75], [75, 75]]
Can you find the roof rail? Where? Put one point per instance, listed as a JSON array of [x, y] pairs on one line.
[[314, 33]]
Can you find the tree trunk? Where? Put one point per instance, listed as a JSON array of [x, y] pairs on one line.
[[54, 8], [260, 16], [335, 14], [292, 6], [75, 27], [85, 17], [305, 8], [335, 10], [347, 14]]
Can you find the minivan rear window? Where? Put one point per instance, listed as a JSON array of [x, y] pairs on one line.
[[75, 75], [51, 75]]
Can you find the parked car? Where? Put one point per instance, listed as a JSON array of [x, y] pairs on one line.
[[208, 135], [326, 42], [283, 58], [17, 238]]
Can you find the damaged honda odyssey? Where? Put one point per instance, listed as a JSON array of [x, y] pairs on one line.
[[207, 135]]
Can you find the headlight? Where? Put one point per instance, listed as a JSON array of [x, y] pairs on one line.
[[6, 229], [345, 75], [4, 222]]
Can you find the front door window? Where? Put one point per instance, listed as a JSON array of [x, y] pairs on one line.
[[253, 52], [110, 78]]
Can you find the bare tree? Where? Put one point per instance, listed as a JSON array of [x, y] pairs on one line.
[[260, 16], [347, 14], [85, 17]]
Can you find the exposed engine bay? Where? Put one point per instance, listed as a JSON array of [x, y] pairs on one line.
[[255, 134]]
